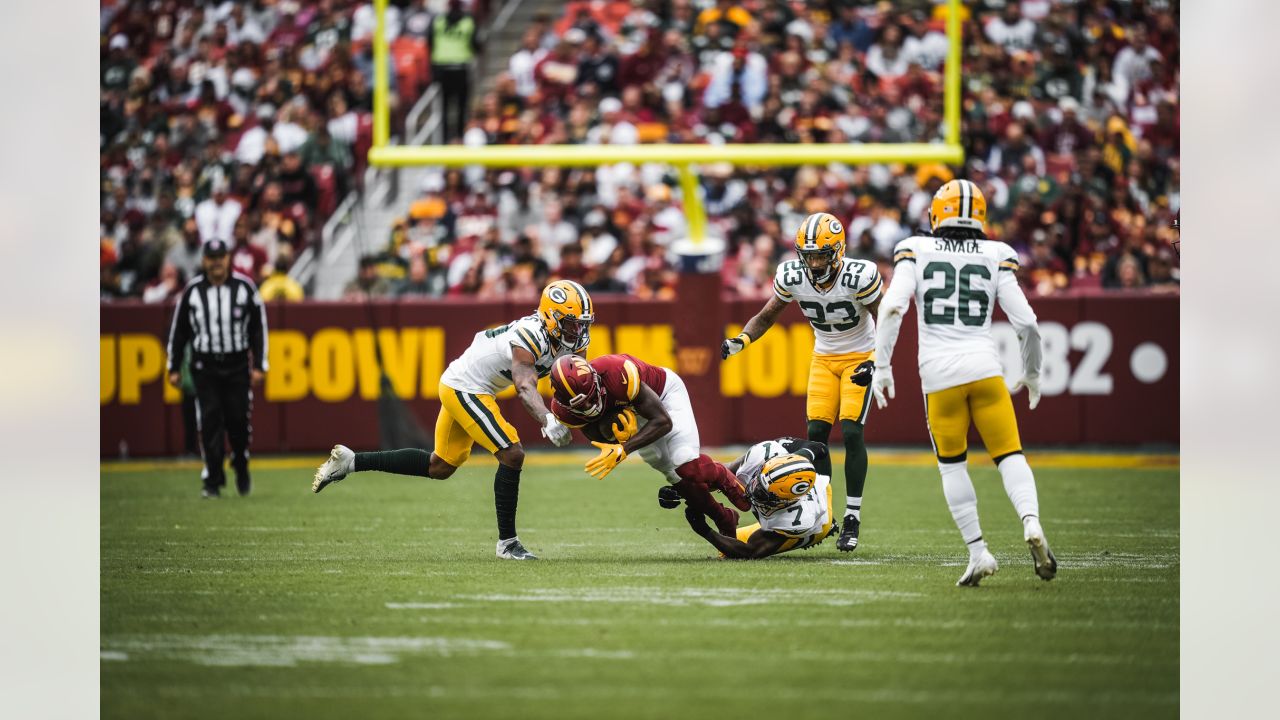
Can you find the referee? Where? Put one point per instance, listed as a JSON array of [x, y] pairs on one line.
[[222, 315]]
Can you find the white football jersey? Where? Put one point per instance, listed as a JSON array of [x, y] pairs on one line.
[[840, 325], [485, 367], [808, 519], [956, 285]]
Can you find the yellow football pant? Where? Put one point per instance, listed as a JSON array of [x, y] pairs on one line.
[[467, 418], [832, 390], [987, 404]]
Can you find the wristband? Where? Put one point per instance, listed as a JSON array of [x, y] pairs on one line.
[[744, 338]]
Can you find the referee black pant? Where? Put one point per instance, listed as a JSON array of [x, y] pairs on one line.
[[224, 401], [455, 91]]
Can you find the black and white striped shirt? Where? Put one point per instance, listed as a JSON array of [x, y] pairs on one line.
[[226, 319]]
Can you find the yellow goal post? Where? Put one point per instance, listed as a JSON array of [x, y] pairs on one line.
[[684, 157]]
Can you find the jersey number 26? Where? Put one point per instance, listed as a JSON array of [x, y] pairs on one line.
[[947, 315]]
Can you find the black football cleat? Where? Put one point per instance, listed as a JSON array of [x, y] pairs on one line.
[[848, 541], [210, 494]]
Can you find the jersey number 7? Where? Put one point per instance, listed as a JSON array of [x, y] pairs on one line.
[[947, 315]]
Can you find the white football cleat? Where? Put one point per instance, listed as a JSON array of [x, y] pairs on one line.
[[983, 566], [341, 462], [512, 549], [1041, 555]]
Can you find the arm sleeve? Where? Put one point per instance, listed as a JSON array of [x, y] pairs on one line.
[[892, 307], [1021, 316], [258, 330], [179, 333]]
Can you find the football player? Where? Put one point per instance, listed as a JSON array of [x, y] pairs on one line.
[[518, 353], [956, 278], [649, 412], [788, 482], [840, 297]]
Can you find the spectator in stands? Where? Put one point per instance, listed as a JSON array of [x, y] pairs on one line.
[[186, 255], [1011, 30], [1133, 64], [367, 285], [216, 217], [296, 184], [246, 258], [742, 68], [279, 286], [523, 62], [454, 42], [168, 284]]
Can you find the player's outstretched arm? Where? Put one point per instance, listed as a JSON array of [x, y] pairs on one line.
[[889, 311], [525, 377], [761, 544], [1023, 319], [756, 327]]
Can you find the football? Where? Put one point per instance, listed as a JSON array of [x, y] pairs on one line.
[[602, 430]]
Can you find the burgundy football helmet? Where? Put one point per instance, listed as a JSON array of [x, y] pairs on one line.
[[577, 386]]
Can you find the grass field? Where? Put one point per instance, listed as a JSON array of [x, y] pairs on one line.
[[381, 597]]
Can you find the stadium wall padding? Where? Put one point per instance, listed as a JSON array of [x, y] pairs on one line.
[[1110, 375]]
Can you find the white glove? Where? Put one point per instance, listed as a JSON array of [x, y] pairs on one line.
[[557, 432], [734, 345], [1032, 384], [882, 382]]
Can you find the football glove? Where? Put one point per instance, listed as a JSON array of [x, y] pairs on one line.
[[556, 431], [668, 497], [624, 426], [734, 345], [698, 522], [882, 383], [608, 459], [862, 374], [1032, 384]]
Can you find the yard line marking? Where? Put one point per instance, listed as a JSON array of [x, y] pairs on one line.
[[711, 597], [1046, 460], [421, 605], [289, 651]]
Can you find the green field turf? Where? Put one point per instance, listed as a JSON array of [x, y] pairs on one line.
[[381, 597]]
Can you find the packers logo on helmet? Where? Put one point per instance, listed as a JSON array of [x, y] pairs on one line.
[[959, 203], [567, 313], [783, 480], [820, 245]]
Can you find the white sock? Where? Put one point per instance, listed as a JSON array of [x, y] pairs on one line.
[[853, 506], [1020, 485], [963, 501]]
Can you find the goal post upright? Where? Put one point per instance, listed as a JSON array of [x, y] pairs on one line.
[[684, 157]]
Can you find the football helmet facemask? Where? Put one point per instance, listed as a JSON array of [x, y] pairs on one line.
[[576, 385], [820, 245], [567, 313], [959, 203], [782, 481]]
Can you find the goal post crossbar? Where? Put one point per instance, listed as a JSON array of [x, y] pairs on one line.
[[684, 157]]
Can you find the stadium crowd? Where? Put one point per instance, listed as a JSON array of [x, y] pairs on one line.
[[245, 120], [1070, 122], [248, 118]]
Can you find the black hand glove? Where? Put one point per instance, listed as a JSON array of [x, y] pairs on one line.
[[668, 497], [697, 521], [862, 374]]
